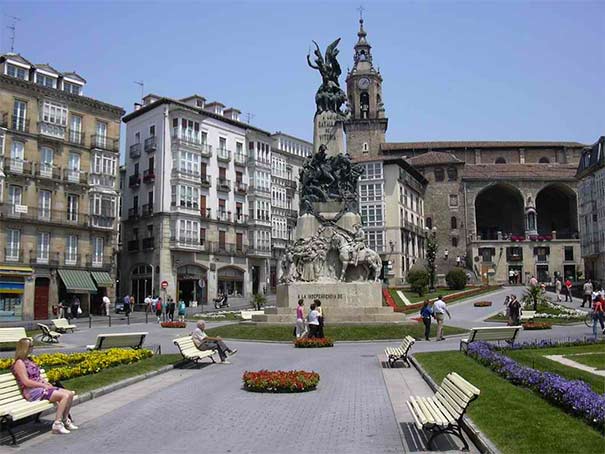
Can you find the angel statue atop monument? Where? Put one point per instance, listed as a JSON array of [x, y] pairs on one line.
[[329, 97]]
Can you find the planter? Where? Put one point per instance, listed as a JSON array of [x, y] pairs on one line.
[[536, 325], [173, 325], [482, 304], [314, 342], [279, 381]]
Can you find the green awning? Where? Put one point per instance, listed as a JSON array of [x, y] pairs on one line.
[[77, 281], [102, 278]]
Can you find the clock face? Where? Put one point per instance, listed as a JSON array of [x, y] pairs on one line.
[[363, 83]]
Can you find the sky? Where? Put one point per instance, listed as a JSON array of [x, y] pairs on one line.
[[483, 70]]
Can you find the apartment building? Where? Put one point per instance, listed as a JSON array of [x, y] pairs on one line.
[[58, 191]]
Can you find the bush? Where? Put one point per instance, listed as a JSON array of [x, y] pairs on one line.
[[418, 280], [279, 381], [536, 325], [307, 342], [258, 301], [173, 325], [456, 279]]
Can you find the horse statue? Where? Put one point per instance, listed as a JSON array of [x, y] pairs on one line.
[[366, 257]]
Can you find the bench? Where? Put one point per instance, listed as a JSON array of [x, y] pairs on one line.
[[62, 325], [12, 335], [527, 315], [247, 315], [401, 352], [191, 352], [443, 412], [497, 333], [118, 340], [48, 335]]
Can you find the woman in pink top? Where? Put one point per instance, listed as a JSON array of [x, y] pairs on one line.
[[300, 320]]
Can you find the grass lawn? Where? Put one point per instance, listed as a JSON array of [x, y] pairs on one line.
[[219, 318], [414, 298], [555, 321], [336, 332], [515, 419], [117, 373], [535, 358], [593, 360]]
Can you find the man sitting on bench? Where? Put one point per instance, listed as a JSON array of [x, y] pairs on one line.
[[203, 342]]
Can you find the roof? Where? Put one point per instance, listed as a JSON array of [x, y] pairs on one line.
[[593, 158], [433, 158], [540, 172], [46, 67], [398, 161], [74, 75], [17, 58], [398, 146]]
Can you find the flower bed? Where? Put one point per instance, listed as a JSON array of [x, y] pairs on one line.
[[574, 396], [550, 343], [279, 381], [482, 304], [536, 325], [306, 342], [61, 366], [173, 325]]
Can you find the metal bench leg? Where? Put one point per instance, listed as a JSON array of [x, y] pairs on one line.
[[6, 422]]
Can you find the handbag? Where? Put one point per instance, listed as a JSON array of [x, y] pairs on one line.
[[79, 310]]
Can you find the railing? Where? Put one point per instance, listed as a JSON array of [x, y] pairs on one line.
[[148, 242], [289, 184], [223, 216], [147, 210], [57, 217], [222, 154], [240, 187], [104, 142], [18, 166], [206, 213], [188, 242], [75, 176], [13, 254], [235, 249], [259, 251], [99, 179], [150, 144], [240, 218], [133, 245], [240, 159], [148, 176], [48, 171], [135, 151], [52, 130], [134, 180], [70, 259], [20, 124], [102, 221], [254, 188], [203, 148], [223, 184], [206, 150], [206, 180], [75, 137], [133, 213]]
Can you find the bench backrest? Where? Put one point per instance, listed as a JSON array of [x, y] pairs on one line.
[[495, 333], [133, 340], [9, 390], [455, 394], [407, 343], [45, 329], [61, 323], [12, 334], [185, 343]]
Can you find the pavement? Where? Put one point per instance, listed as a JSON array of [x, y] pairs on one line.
[[357, 408]]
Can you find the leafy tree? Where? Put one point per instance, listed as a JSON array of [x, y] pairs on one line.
[[456, 279], [418, 278], [534, 296]]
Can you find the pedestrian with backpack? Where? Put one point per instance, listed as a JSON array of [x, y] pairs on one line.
[[158, 309]]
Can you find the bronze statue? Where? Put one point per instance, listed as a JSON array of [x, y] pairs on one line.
[[329, 97]]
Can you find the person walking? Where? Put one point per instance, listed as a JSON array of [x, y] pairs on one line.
[[75, 307], [61, 309], [158, 309], [171, 308], [204, 342], [182, 311], [107, 304], [440, 309], [300, 319], [515, 310], [533, 282], [507, 307], [511, 277], [568, 290], [558, 287], [588, 288], [598, 315], [148, 304], [320, 319], [426, 312], [313, 321]]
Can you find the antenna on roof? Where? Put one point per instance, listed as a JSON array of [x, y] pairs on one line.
[[249, 117], [13, 29], [142, 85]]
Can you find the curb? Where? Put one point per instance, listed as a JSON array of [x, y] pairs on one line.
[[484, 444], [81, 398]]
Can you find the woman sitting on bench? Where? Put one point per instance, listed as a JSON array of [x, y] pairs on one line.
[[35, 388]]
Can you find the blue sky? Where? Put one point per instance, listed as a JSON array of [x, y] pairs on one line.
[[486, 70]]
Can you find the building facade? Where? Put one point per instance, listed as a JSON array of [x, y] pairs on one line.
[[591, 202], [59, 191]]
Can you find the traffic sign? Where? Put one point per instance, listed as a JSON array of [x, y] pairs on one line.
[[164, 284]]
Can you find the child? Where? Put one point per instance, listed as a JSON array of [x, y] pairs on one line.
[[182, 311]]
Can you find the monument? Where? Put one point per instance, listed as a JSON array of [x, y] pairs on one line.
[[329, 259]]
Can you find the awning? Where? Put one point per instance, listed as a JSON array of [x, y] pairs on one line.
[[16, 270], [102, 278], [77, 281]]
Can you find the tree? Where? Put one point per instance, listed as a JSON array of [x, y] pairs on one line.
[[418, 279], [431, 256], [456, 279], [534, 296], [258, 301]]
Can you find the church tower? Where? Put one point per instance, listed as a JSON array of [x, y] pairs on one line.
[[366, 127]]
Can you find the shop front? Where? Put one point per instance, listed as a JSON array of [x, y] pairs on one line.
[[104, 283], [12, 290], [76, 287], [192, 285], [231, 281]]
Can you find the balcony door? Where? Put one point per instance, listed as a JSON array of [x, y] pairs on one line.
[[46, 162], [16, 164]]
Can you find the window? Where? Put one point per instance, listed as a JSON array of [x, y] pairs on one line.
[[46, 81], [544, 160], [373, 171], [190, 163], [187, 130], [16, 161], [74, 89], [101, 138], [19, 115], [375, 240], [453, 200], [75, 131], [222, 143], [97, 251], [188, 196], [71, 250], [73, 203], [43, 250], [188, 231], [152, 131], [104, 205], [13, 243], [454, 223], [15, 194], [54, 113], [501, 160], [16, 71], [44, 205], [429, 223], [46, 162], [370, 192], [439, 174], [104, 164], [371, 215], [452, 173], [365, 147], [569, 253], [454, 241]]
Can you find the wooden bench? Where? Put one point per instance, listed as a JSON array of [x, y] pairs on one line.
[[527, 315], [12, 335], [443, 412], [48, 335], [497, 333], [191, 352], [13, 406], [118, 340], [401, 352], [62, 325]]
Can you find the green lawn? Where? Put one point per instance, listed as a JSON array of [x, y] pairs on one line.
[[337, 332], [220, 318], [115, 374], [536, 358], [415, 298], [517, 420], [593, 360], [555, 321]]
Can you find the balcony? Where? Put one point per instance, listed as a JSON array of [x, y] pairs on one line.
[[241, 188], [135, 151], [17, 166], [183, 141], [52, 130], [223, 216], [75, 137], [48, 216], [241, 219], [133, 213], [19, 124], [186, 204], [147, 210], [259, 252], [104, 143], [223, 248], [13, 254], [75, 176], [293, 214], [240, 159], [71, 259], [148, 176], [134, 181], [48, 171], [150, 144], [102, 221], [290, 184], [187, 242], [101, 179], [206, 181], [259, 189], [206, 150], [133, 245], [222, 154], [223, 185], [148, 242], [206, 213]]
